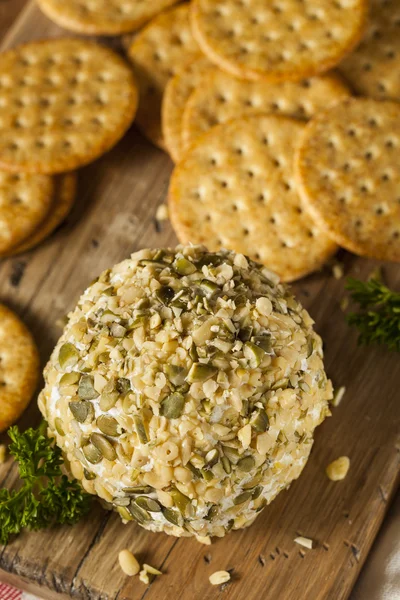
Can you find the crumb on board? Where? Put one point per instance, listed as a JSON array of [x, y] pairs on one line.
[[162, 213], [146, 571], [3, 452], [303, 541], [338, 396], [219, 577], [338, 469], [338, 270]]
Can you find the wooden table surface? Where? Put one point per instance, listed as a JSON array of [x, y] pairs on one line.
[[117, 200]]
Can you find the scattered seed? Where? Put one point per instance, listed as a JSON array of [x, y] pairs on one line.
[[338, 469], [219, 577], [303, 541], [128, 563]]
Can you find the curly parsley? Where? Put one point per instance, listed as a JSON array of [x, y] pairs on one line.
[[46, 496], [378, 319]]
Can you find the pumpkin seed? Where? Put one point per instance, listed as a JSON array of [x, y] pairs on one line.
[[245, 333], [193, 353], [229, 525], [172, 406], [82, 410], [231, 453], [246, 464], [183, 266], [165, 294], [196, 472], [148, 504], [108, 400], [123, 501], [139, 514], [259, 420], [68, 356], [108, 425], [88, 475], [103, 445], [138, 489], [176, 374], [104, 357], [263, 342], [254, 354], [123, 385], [242, 498], [212, 457], [156, 264], [173, 516], [140, 429], [58, 426], [207, 474], [253, 483], [281, 383], [92, 454], [86, 389], [140, 321], [256, 492], [124, 512], [200, 372], [70, 378], [213, 513], [263, 503], [180, 500], [226, 465], [209, 287]]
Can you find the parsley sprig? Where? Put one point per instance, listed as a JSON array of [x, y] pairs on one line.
[[378, 319], [46, 496]]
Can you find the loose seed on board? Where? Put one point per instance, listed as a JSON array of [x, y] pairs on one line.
[[219, 577], [128, 563]]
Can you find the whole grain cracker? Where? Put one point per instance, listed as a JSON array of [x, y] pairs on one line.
[[373, 67], [348, 174], [277, 40], [63, 103], [25, 201], [19, 367], [220, 97], [157, 53], [103, 17], [63, 200], [235, 189], [177, 93]]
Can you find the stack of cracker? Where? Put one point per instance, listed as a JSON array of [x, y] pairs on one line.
[[63, 103], [242, 96]]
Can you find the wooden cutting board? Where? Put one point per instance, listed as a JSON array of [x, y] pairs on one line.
[[114, 215]]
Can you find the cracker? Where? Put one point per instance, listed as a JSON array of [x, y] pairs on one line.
[[349, 175], [277, 40], [235, 189], [19, 367], [103, 17], [177, 93], [157, 53], [221, 97], [63, 103], [25, 200], [373, 68], [64, 197]]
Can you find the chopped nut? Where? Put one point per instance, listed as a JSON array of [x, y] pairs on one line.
[[244, 435], [338, 469], [3, 451], [128, 563], [204, 539], [338, 396], [146, 571], [219, 577], [303, 541], [151, 569], [162, 213]]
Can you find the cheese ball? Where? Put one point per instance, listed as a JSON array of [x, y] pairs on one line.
[[185, 390]]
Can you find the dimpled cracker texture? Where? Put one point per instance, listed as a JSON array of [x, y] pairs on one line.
[[103, 17], [157, 53], [348, 172], [221, 97], [235, 189], [278, 39], [373, 69], [63, 200], [176, 95], [63, 103], [25, 201], [19, 367]]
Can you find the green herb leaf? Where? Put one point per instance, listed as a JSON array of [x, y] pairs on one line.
[[378, 319], [46, 496]]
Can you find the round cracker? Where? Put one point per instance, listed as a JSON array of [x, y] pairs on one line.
[[157, 53], [25, 201], [280, 40], [373, 68], [103, 17], [221, 97], [64, 197], [235, 189], [177, 93], [348, 174], [63, 103], [19, 367]]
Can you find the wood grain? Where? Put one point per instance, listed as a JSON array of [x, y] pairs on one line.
[[117, 200]]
